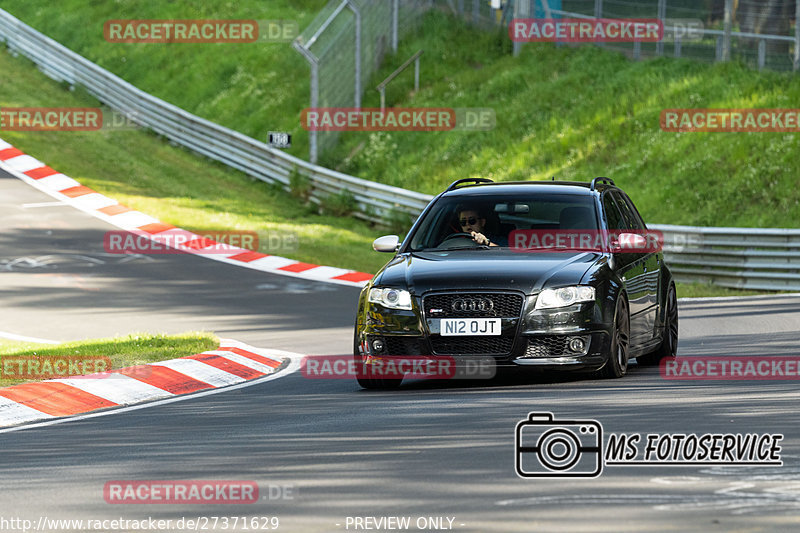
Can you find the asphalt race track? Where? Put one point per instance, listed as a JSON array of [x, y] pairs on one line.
[[429, 449]]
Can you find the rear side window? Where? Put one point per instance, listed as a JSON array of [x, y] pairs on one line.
[[613, 214], [632, 218]]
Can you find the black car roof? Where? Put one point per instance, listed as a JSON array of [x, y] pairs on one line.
[[526, 187]]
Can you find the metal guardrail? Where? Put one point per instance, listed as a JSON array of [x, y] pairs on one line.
[[232, 148], [742, 258], [767, 259]]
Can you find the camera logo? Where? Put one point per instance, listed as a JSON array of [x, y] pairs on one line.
[[558, 448]]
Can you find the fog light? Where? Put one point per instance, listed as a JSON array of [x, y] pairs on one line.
[[577, 345], [378, 345]]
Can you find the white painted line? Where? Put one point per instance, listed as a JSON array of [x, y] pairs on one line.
[[4, 145], [324, 272], [245, 361], [12, 412], [201, 371], [56, 182], [132, 220], [23, 338], [269, 263], [94, 200], [117, 388], [264, 352], [24, 163], [294, 365], [45, 204]]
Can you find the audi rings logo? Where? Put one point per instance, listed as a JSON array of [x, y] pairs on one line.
[[472, 304]]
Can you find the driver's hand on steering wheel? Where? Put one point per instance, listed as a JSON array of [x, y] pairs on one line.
[[480, 238]]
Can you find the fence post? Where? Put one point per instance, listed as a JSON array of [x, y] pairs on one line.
[[416, 75], [796, 36], [522, 9], [395, 14], [662, 14], [460, 8], [598, 14], [762, 53], [726, 38], [476, 7], [357, 13], [677, 45], [718, 55], [637, 50]]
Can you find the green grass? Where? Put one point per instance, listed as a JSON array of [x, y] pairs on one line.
[[124, 351], [142, 171], [570, 112], [253, 88]]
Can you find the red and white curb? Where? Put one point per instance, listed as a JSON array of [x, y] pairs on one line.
[[69, 191], [233, 363]]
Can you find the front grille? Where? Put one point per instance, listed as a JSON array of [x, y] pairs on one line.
[[505, 305], [547, 346], [471, 345], [553, 346], [403, 345]]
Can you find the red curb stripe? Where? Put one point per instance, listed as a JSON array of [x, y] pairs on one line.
[[354, 276], [9, 153], [199, 244], [298, 267], [41, 172], [247, 257], [156, 227], [78, 190], [227, 365], [164, 378], [53, 398], [250, 355], [115, 209]]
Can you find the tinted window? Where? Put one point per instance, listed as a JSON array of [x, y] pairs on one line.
[[501, 214], [632, 218], [614, 217]]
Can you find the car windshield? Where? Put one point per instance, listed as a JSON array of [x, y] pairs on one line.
[[454, 221]]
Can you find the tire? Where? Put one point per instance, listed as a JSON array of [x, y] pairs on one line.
[[669, 343], [617, 364], [373, 383]]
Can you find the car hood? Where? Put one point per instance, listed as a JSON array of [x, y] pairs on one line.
[[486, 269]]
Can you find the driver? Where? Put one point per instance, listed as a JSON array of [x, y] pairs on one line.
[[473, 221]]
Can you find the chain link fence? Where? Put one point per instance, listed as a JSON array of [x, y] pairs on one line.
[[761, 33], [345, 44]]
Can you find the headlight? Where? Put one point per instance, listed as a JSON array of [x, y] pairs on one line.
[[553, 298], [391, 298]]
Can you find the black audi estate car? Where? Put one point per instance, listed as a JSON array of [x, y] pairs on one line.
[[551, 275]]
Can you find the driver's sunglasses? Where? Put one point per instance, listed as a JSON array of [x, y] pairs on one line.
[[471, 221]]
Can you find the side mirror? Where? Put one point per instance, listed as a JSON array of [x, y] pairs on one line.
[[387, 243], [631, 242]]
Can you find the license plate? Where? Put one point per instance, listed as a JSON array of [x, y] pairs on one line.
[[450, 327]]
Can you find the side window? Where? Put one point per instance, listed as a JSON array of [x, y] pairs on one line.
[[614, 217], [632, 218]]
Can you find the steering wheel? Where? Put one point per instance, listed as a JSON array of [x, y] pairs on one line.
[[461, 236]]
